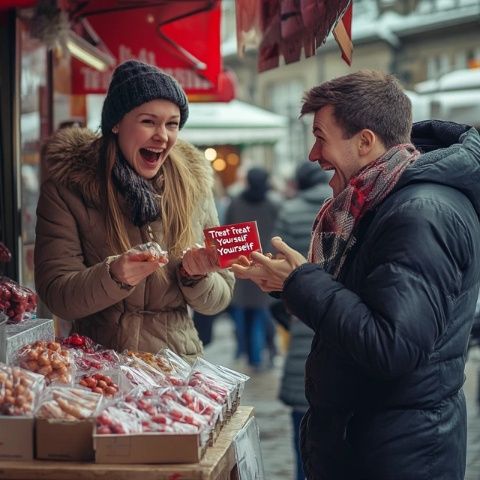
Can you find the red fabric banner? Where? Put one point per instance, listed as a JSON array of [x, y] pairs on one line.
[[187, 48], [288, 26]]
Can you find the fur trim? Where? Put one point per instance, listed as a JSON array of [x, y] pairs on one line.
[[71, 158]]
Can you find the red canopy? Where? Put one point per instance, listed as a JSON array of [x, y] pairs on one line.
[[170, 35]]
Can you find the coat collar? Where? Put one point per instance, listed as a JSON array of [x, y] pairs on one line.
[[71, 158]]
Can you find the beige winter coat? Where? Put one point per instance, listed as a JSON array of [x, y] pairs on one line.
[[71, 274]]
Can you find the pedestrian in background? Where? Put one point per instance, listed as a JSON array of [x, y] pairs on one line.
[[254, 327], [204, 323], [134, 184], [294, 226], [389, 289]]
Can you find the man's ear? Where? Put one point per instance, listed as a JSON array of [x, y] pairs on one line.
[[367, 141]]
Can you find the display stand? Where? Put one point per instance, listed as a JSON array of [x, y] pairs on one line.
[[218, 463]]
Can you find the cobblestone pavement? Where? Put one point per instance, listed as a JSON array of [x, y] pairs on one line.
[[274, 418]]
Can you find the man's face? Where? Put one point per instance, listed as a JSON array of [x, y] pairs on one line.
[[333, 151], [146, 135]]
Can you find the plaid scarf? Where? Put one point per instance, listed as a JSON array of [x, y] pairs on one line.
[[332, 232]]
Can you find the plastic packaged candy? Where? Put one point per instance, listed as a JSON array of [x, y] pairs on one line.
[[48, 359], [17, 302], [19, 390], [148, 252], [65, 403]]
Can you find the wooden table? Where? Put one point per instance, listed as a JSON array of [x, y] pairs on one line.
[[218, 463]]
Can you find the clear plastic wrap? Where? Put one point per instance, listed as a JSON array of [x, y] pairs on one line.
[[48, 359], [153, 375], [17, 302], [66, 403], [105, 383], [148, 252], [167, 414], [209, 380], [80, 342], [172, 369], [197, 402], [99, 360], [19, 390]]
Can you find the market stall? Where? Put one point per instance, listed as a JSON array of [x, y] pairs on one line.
[[73, 409]]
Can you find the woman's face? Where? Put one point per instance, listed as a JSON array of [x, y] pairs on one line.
[[146, 135]]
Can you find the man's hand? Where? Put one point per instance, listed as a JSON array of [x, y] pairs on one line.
[[267, 272]]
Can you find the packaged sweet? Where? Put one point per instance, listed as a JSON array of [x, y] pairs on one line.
[[105, 383], [66, 403], [164, 413], [99, 360], [48, 359], [216, 384], [80, 342], [17, 302], [19, 390], [148, 252], [167, 363]]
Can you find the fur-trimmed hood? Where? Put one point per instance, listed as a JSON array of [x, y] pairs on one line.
[[71, 159]]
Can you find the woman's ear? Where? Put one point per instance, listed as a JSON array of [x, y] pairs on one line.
[[115, 129]]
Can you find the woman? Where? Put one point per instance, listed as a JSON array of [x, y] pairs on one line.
[[104, 195]]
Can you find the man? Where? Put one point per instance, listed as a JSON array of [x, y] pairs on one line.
[[389, 289]]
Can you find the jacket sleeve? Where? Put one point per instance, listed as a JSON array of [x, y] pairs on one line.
[[390, 325], [214, 293], [68, 287]]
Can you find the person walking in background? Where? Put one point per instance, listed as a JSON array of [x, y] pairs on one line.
[[294, 226], [204, 323], [135, 183], [254, 328], [389, 289]]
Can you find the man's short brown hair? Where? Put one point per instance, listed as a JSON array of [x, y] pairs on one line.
[[365, 99]]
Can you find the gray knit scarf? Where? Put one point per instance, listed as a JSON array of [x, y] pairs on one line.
[[139, 193]]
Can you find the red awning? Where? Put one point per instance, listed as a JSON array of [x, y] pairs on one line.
[[6, 4], [169, 34], [286, 27]]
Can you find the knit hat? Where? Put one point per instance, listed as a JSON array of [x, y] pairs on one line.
[[309, 174], [135, 83]]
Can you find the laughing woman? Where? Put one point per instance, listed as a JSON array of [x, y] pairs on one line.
[[106, 194]]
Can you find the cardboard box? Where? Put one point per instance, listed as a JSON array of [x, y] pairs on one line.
[[16, 438], [148, 448], [63, 440]]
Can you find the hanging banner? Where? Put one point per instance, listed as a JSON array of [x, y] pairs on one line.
[[193, 59], [288, 27]]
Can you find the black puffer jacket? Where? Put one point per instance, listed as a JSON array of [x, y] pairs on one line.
[[385, 374]]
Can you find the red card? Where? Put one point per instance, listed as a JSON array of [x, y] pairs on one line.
[[233, 240]]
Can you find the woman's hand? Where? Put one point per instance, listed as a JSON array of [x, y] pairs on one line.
[[128, 269], [200, 260]]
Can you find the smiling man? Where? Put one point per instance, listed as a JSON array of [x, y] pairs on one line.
[[389, 287]]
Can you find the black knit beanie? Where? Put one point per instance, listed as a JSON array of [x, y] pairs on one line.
[[134, 83]]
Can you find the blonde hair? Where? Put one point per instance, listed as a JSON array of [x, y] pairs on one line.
[[178, 198]]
